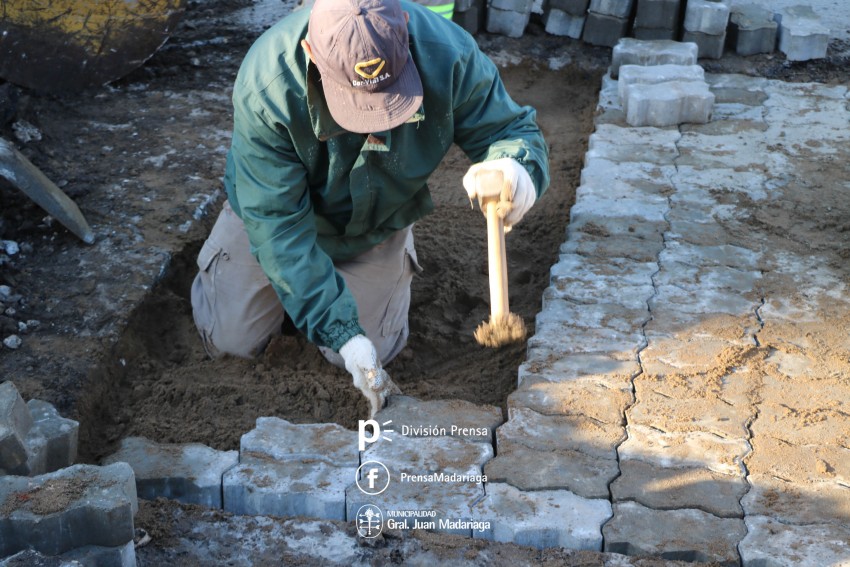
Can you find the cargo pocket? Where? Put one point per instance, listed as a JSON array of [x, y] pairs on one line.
[[395, 317], [204, 292]]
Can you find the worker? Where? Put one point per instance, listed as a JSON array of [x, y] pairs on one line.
[[341, 113]]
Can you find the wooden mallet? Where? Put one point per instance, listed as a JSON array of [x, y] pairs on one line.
[[503, 327]]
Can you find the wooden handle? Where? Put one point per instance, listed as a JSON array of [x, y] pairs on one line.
[[496, 261]]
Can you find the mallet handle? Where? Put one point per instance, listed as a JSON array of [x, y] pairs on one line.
[[496, 261]]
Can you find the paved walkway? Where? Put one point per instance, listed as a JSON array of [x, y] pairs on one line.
[[691, 363]]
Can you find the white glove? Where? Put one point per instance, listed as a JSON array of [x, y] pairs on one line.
[[478, 182], [361, 360]]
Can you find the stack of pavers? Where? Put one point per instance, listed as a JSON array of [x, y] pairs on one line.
[[508, 17], [711, 24], [607, 22], [50, 507], [752, 30], [657, 19], [705, 24], [660, 83], [802, 35], [469, 14], [566, 17]]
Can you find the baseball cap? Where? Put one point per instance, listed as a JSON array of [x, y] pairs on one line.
[[368, 76]]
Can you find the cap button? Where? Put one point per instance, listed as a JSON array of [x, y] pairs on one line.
[[357, 11]]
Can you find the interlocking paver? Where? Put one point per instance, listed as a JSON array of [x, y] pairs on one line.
[[544, 518]]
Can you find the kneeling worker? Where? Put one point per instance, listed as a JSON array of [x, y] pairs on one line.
[[340, 115]]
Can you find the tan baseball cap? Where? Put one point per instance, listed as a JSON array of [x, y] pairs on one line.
[[368, 76]]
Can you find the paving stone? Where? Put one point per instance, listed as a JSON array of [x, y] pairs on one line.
[[598, 211], [719, 300], [572, 7], [98, 556], [36, 448], [547, 433], [731, 87], [15, 423], [547, 518], [658, 13], [696, 449], [664, 356], [631, 51], [801, 465], [471, 19], [654, 74], [626, 281], [730, 119], [752, 29], [609, 225], [279, 440], [532, 469], [591, 316], [187, 472], [737, 386], [293, 488], [600, 247], [563, 339], [459, 418], [706, 16], [554, 369], [558, 22], [61, 435], [448, 501], [662, 488], [507, 22], [96, 508], [416, 455], [817, 416], [726, 151], [646, 178], [32, 558], [616, 8], [668, 104], [771, 543], [521, 6], [646, 145], [724, 255], [722, 182], [798, 503], [801, 35], [654, 194], [687, 535], [709, 46], [655, 34], [707, 413], [583, 396], [698, 278], [604, 30]]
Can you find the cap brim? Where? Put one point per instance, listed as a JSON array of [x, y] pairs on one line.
[[364, 112]]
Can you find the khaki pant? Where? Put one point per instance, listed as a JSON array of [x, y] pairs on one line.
[[237, 311]]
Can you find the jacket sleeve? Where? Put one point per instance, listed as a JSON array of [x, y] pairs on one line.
[[489, 124], [270, 183]]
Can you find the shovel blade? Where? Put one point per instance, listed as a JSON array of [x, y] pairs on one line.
[[21, 173]]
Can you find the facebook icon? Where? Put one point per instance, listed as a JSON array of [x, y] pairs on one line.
[[372, 478]]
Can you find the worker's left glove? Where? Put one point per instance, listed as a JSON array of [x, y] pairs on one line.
[[361, 360], [478, 184]]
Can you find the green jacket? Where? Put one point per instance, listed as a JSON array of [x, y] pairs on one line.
[[311, 193]]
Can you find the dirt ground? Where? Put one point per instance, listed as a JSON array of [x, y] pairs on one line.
[[143, 158]]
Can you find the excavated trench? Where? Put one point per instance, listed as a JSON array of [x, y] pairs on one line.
[[158, 383]]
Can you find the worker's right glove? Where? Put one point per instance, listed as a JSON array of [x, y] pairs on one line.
[[482, 181], [361, 360]]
